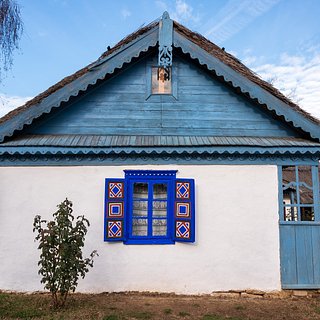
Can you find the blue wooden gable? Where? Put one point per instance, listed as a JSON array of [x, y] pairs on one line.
[[217, 107], [203, 106]]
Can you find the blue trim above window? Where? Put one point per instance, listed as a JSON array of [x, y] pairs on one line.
[[150, 173]]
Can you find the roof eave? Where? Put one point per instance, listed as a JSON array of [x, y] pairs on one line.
[[230, 150]]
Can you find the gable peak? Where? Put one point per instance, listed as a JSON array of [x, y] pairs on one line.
[[165, 15]]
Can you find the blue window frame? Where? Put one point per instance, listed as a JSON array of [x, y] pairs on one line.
[[149, 207], [299, 194], [170, 88]]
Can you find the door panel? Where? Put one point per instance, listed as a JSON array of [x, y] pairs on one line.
[[300, 256]]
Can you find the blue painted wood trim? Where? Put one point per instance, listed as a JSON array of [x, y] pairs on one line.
[[280, 194], [165, 40], [144, 159], [191, 219], [298, 193], [316, 191], [301, 286], [300, 223], [236, 150], [151, 177], [54, 100], [246, 86], [174, 82], [122, 220], [150, 239], [298, 205]]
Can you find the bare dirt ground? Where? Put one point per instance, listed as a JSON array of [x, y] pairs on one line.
[[127, 306]]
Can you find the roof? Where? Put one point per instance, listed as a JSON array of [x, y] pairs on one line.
[[197, 38], [95, 144], [208, 55]]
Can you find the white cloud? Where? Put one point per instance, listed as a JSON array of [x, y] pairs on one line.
[[296, 76], [161, 5], [8, 103], [233, 17], [125, 13], [181, 11]]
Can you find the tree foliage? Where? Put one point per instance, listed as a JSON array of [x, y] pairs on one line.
[[11, 28], [61, 261]]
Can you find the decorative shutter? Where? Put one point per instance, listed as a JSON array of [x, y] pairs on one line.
[[184, 211], [115, 213]]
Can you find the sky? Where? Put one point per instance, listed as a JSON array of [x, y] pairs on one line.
[[278, 39]]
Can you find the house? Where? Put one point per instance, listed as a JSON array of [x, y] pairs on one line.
[[177, 154]]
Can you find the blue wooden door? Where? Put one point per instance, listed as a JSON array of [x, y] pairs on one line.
[[299, 227]]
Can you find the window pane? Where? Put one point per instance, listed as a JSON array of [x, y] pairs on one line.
[[160, 191], [140, 190], [140, 208], [288, 174], [307, 213], [290, 213], [161, 80], [305, 174], [306, 195], [139, 227], [159, 227], [159, 209], [290, 195], [305, 184]]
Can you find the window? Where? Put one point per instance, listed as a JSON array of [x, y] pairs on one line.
[[161, 80], [149, 207], [300, 193]]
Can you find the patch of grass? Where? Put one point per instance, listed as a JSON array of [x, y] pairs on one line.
[[26, 314], [3, 297], [184, 314], [141, 315], [19, 307], [167, 311], [317, 309]]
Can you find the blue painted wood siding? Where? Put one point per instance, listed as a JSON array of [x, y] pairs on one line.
[[300, 256], [203, 106]]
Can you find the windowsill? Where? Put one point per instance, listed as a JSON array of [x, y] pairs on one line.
[[161, 94], [156, 95], [149, 241]]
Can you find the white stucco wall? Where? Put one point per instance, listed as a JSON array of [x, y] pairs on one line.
[[237, 237]]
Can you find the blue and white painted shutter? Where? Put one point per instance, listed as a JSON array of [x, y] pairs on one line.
[[184, 211], [114, 226]]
